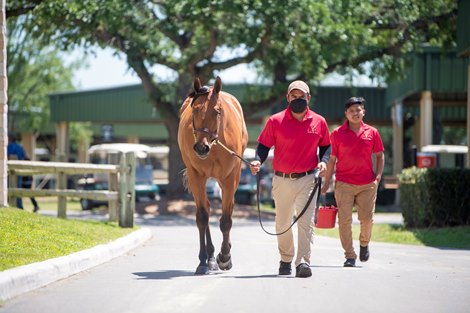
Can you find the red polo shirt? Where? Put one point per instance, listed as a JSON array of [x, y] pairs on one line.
[[295, 142], [353, 153]]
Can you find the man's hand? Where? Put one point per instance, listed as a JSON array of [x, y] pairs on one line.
[[378, 178], [322, 168], [255, 166]]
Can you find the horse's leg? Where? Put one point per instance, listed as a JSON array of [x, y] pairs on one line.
[[202, 221], [224, 259], [210, 251], [206, 248]]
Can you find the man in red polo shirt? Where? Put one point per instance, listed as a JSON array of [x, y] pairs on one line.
[[353, 145], [296, 135]]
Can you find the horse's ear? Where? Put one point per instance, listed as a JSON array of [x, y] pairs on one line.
[[196, 84], [218, 84]]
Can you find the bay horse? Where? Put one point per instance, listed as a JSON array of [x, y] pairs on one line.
[[208, 116]]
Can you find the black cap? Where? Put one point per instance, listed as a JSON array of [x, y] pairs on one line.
[[354, 100]]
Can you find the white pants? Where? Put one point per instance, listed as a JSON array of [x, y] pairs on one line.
[[291, 196]]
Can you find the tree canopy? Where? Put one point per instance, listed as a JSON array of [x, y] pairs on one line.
[[284, 40], [34, 71]]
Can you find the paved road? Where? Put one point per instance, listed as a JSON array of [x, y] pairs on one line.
[[158, 277]]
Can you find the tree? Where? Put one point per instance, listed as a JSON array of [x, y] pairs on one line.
[[285, 40], [34, 71]]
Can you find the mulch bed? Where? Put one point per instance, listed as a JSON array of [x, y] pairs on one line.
[[187, 208]]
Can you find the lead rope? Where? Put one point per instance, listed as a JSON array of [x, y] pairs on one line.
[[217, 142], [317, 187]]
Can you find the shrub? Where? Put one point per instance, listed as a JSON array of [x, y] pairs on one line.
[[435, 197]]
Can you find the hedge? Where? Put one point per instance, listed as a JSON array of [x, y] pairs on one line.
[[435, 197]]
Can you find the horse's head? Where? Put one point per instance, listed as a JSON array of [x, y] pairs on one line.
[[206, 112]]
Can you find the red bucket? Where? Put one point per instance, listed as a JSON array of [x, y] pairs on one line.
[[326, 217], [426, 159]]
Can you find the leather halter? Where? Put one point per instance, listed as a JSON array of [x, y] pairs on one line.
[[213, 136]]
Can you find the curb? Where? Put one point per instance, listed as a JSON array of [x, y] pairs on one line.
[[25, 278]]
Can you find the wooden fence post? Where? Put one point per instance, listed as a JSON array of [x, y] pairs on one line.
[[122, 189], [113, 186], [62, 200], [12, 183], [61, 181], [129, 190], [131, 161]]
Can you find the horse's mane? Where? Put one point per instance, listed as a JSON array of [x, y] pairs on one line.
[[201, 91]]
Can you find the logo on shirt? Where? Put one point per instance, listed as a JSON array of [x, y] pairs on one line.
[[367, 136], [312, 130]]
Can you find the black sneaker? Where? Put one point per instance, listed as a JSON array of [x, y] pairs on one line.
[[285, 268], [303, 270], [364, 254], [350, 263]]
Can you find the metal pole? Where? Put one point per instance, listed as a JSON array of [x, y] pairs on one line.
[[468, 116]]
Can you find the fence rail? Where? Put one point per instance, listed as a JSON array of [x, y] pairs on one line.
[[121, 182]]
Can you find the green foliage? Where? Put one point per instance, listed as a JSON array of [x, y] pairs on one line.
[[34, 71], [454, 135], [27, 238], [80, 135], [284, 40], [435, 197]]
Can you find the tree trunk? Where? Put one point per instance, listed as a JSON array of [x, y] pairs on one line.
[[175, 187]]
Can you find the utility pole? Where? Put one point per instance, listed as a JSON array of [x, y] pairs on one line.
[[3, 108]]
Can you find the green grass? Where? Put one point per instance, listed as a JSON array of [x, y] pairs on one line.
[[50, 204], [27, 238], [448, 237]]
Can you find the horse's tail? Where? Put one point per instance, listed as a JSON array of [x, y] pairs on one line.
[[184, 174]]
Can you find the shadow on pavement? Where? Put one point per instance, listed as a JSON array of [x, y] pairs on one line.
[[329, 266], [259, 276], [167, 274]]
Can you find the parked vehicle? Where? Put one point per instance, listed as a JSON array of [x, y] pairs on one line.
[[447, 156], [160, 163], [145, 189], [214, 192], [246, 191]]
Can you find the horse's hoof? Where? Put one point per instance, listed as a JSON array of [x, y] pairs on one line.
[[202, 270], [224, 266], [213, 265]]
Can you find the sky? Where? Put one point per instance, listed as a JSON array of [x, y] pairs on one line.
[[106, 71]]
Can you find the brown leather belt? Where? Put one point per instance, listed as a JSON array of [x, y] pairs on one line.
[[293, 175]]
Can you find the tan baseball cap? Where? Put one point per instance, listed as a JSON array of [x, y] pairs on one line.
[[300, 85]]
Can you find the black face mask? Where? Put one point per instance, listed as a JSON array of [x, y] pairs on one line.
[[298, 105]]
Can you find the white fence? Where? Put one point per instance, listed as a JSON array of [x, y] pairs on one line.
[[121, 185]]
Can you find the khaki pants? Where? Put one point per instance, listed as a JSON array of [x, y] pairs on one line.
[[291, 196], [363, 198]]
